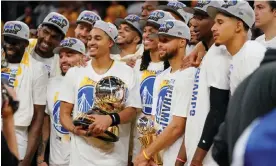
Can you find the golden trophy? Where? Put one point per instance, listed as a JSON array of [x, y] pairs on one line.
[[109, 97], [145, 127]]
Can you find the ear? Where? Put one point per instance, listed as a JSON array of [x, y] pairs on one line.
[[182, 43], [137, 39], [239, 26], [111, 43], [274, 12]]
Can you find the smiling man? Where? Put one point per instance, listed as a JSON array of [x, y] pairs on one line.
[[129, 39], [29, 79], [70, 51], [53, 29]]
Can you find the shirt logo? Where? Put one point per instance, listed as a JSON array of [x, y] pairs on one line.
[[56, 115], [202, 3], [156, 15], [12, 28], [166, 27], [9, 75], [195, 94], [61, 22]]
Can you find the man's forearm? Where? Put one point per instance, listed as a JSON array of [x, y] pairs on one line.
[[65, 116], [44, 138], [171, 133], [127, 115], [34, 132]]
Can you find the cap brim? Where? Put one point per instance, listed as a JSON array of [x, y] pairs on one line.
[[213, 11], [82, 21], [52, 24], [194, 11], [120, 21], [170, 9], [14, 36], [189, 10]]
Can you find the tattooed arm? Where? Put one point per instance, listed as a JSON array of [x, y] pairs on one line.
[[43, 139]]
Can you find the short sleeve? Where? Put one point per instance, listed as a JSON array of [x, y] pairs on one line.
[[134, 99], [39, 88], [67, 91], [218, 65], [47, 111], [182, 92]]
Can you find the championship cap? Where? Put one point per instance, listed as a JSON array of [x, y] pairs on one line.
[[58, 21], [132, 20], [158, 17], [240, 9], [175, 28], [202, 5], [88, 17], [111, 31], [177, 8], [71, 43], [16, 29]]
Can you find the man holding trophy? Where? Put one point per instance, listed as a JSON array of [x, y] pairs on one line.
[[171, 98], [102, 97]]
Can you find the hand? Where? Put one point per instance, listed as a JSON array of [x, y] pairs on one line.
[[140, 160], [82, 61], [196, 163], [24, 163], [7, 110], [79, 131], [100, 124], [42, 164], [131, 63]]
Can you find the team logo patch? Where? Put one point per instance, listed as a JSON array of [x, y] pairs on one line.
[[89, 17], [132, 18], [156, 15], [61, 22], [176, 5], [166, 27], [12, 28], [202, 3], [146, 90], [85, 95], [230, 3]]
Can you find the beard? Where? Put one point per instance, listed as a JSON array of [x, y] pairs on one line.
[[16, 57], [168, 55]]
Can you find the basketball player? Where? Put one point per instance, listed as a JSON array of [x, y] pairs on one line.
[[76, 97], [171, 94], [29, 79], [265, 13], [70, 51]]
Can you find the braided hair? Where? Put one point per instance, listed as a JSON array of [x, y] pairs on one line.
[[146, 61]]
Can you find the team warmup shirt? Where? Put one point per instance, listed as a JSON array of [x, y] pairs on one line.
[[171, 96], [77, 88], [213, 72], [246, 61], [59, 136]]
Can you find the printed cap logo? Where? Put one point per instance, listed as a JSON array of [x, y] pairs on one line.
[[156, 15], [176, 5], [68, 42], [12, 28], [61, 22], [202, 3], [89, 17], [166, 27], [230, 3], [132, 18]]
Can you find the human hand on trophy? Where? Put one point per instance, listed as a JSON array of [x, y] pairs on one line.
[[100, 124]]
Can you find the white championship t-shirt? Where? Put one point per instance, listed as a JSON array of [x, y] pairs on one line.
[[267, 43], [59, 137], [213, 72], [77, 88], [146, 80], [245, 62], [171, 97]]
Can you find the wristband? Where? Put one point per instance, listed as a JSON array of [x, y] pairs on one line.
[[145, 155], [179, 159], [115, 119]]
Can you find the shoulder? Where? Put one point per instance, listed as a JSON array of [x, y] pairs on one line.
[[37, 67], [254, 48], [122, 67], [260, 38]]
